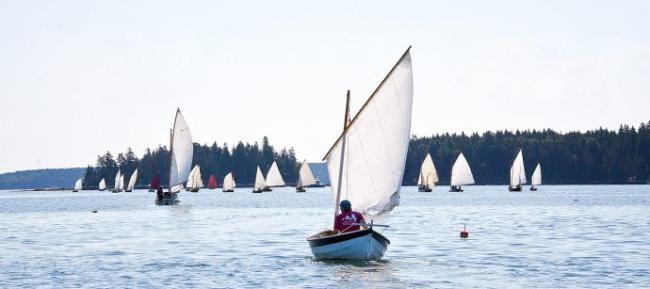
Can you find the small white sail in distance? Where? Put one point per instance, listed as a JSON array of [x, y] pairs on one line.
[[461, 174], [517, 171], [117, 181], [132, 180], [78, 184], [102, 184], [228, 182], [274, 178], [536, 179], [305, 176], [121, 187], [194, 180], [428, 173], [376, 143], [260, 183], [182, 151]]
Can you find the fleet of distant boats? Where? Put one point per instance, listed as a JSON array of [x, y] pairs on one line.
[[365, 166]]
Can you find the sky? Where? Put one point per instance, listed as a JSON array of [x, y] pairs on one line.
[[79, 78]]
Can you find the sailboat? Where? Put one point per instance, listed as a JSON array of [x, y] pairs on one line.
[[117, 187], [102, 185], [366, 165], [77, 185], [428, 175], [132, 180], [260, 182], [228, 184], [181, 152], [517, 173], [305, 178], [195, 181], [274, 178], [212, 182], [154, 183], [536, 179], [461, 175]]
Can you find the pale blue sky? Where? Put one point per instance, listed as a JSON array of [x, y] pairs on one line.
[[78, 78]]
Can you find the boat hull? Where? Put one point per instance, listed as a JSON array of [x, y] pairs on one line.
[[168, 200], [424, 189], [74, 191], [227, 191], [455, 189], [362, 245], [257, 191], [300, 190], [514, 189], [533, 189]]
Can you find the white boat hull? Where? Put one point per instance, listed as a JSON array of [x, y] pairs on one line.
[[362, 245]]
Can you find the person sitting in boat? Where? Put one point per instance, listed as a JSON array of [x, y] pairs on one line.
[[160, 192], [347, 217]]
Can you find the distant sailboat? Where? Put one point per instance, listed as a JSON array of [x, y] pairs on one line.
[[366, 165], [154, 183], [274, 178], [77, 185], [102, 185], [118, 186], [428, 175], [305, 178], [461, 174], [536, 179], [132, 180], [228, 184], [181, 152], [195, 181], [260, 182], [517, 173], [212, 182]]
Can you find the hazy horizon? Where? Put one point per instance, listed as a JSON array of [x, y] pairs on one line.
[[80, 78]]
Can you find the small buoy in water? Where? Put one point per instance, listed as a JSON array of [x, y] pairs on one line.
[[95, 211], [464, 233]]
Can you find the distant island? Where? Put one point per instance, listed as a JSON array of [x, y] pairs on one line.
[[598, 156]]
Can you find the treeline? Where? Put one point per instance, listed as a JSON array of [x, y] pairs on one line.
[[242, 160], [593, 157]]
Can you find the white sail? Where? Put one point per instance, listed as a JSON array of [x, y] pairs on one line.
[[182, 151], [194, 180], [461, 174], [376, 143], [102, 184], [228, 182], [274, 178], [428, 174], [536, 179], [121, 187], [132, 180], [116, 186], [260, 183], [77, 185], [305, 176], [517, 171]]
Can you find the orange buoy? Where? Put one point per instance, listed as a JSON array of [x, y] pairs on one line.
[[464, 233]]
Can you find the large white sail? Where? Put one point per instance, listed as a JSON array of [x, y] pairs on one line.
[[132, 180], [376, 143], [461, 174], [305, 176], [182, 151], [536, 179], [517, 171], [77, 185], [102, 184], [116, 186], [428, 174], [260, 183], [274, 178], [228, 182]]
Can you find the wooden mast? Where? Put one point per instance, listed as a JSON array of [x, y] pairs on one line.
[[340, 178]]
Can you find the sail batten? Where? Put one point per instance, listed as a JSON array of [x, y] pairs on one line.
[[376, 143], [461, 174]]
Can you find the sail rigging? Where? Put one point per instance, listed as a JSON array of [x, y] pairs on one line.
[[376, 142]]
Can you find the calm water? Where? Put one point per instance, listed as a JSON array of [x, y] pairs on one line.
[[560, 236]]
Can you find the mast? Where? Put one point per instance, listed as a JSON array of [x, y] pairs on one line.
[[338, 185], [171, 152]]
